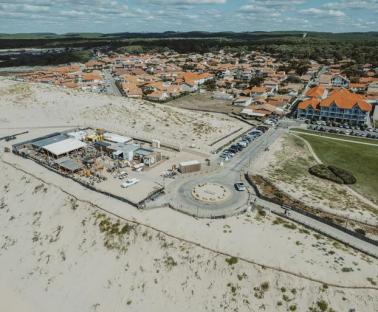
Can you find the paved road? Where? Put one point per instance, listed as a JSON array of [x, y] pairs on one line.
[[112, 89], [179, 193], [322, 227]]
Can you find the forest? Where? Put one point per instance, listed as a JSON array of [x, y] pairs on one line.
[[360, 47]]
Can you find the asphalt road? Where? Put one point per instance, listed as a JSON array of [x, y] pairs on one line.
[[112, 89], [179, 193]]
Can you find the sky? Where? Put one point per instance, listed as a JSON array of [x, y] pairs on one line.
[[109, 16]]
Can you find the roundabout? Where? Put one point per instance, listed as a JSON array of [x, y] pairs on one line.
[[210, 192]]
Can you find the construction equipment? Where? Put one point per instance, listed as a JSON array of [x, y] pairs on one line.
[[97, 136]]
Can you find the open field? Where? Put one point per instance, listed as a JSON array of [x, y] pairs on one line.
[[350, 138], [287, 164], [203, 101], [360, 159]]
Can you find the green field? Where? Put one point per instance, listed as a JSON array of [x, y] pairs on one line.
[[337, 136], [360, 159]]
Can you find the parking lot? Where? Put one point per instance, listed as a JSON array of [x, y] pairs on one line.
[[241, 144], [356, 131]]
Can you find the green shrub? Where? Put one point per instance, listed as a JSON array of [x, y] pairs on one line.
[[265, 286], [322, 305], [322, 171], [346, 270], [261, 212], [232, 260], [345, 175], [333, 174], [360, 231]]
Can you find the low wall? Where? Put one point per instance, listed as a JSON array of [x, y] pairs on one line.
[[313, 216], [233, 140]]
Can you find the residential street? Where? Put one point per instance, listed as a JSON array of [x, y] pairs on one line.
[[110, 83]]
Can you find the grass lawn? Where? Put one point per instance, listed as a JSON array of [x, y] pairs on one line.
[[337, 136], [361, 160]]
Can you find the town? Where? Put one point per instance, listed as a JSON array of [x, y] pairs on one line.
[[232, 178], [256, 84]]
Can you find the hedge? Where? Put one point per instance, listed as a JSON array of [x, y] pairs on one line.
[[345, 175], [333, 174]]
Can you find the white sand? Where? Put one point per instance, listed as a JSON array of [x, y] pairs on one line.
[[53, 257], [31, 105]]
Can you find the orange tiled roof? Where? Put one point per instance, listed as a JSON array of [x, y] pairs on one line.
[[91, 76], [70, 84], [258, 89], [64, 69], [313, 102], [191, 78], [346, 100], [93, 63], [317, 91]]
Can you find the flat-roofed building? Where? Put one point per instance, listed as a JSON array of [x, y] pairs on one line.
[[64, 147], [189, 166], [116, 138]]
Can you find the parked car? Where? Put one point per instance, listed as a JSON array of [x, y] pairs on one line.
[[236, 147], [240, 186], [129, 182], [242, 144], [247, 138]]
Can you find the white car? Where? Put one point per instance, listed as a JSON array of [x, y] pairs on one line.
[[129, 182], [269, 122], [240, 186]]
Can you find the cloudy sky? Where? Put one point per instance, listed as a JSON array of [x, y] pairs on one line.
[[108, 16]]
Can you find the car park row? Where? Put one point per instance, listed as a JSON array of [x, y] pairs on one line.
[[369, 133], [235, 148]]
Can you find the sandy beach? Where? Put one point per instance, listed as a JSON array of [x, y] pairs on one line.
[[66, 248]]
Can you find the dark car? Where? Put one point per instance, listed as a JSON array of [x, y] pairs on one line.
[[237, 147]]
